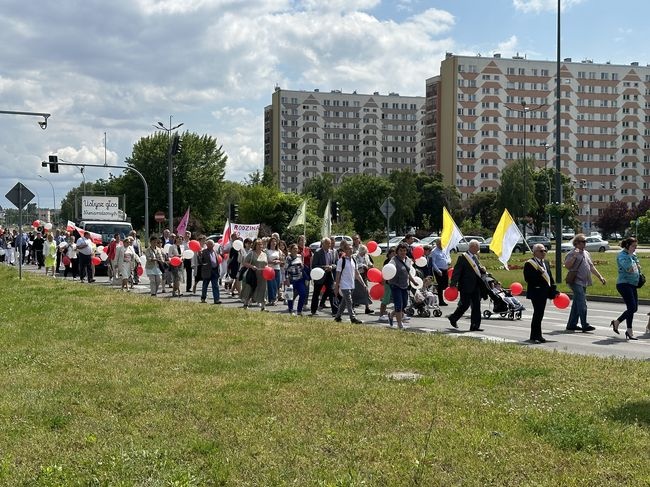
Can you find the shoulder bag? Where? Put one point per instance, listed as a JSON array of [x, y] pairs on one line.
[[641, 281], [572, 274]]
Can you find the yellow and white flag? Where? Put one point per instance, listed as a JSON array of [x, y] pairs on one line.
[[299, 217], [451, 235], [326, 228], [505, 238]]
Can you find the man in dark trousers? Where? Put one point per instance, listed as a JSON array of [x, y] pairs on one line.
[[540, 287], [325, 259], [467, 278]]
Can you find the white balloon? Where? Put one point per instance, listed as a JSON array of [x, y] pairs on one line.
[[2, 252], [143, 260], [421, 261], [418, 281], [412, 271], [100, 248], [376, 253], [188, 254], [48, 226], [103, 256], [238, 245], [389, 271], [63, 244], [166, 248], [317, 273]]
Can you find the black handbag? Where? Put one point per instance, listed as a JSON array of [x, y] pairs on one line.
[[250, 278], [641, 281]]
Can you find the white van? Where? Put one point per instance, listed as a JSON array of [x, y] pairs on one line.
[[107, 229]]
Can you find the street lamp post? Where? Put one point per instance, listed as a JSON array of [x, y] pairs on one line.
[[53, 195], [170, 167]]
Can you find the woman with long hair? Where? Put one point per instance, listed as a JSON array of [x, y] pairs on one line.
[[629, 271], [254, 286]]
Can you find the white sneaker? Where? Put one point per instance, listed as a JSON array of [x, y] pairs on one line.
[[383, 318], [293, 313], [406, 318]]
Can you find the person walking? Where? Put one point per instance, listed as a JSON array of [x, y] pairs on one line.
[[253, 286], [125, 262], [84, 255], [153, 266], [629, 272], [540, 287], [346, 275], [399, 284], [210, 271], [50, 251], [295, 278], [275, 259], [581, 267], [468, 277], [324, 258], [439, 263], [360, 294]]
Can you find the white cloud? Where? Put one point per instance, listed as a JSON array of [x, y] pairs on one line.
[[508, 47], [543, 5]]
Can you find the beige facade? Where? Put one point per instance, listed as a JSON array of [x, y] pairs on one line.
[[309, 133], [489, 111]]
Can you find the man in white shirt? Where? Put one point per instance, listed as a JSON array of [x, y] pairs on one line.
[[84, 254], [346, 273]]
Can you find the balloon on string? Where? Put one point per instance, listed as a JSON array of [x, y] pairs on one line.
[[561, 301], [175, 261], [194, 245], [377, 291], [66, 260], [374, 275], [371, 246], [100, 249], [268, 273], [36, 223], [451, 293], [417, 251], [139, 270], [516, 288], [421, 261], [238, 245], [96, 260], [166, 248], [418, 282], [376, 253], [48, 226], [389, 271], [188, 254], [103, 256], [62, 245], [317, 273], [412, 271]]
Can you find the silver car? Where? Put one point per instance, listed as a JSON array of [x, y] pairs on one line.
[[594, 244]]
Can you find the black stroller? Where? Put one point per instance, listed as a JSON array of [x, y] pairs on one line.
[[503, 302]]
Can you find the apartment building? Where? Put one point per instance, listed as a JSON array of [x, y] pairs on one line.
[[309, 133], [482, 113]]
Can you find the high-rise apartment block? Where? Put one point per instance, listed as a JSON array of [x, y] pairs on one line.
[[482, 113], [310, 133]]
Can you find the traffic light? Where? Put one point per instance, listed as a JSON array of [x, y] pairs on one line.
[[176, 145], [336, 211], [54, 163], [234, 212]]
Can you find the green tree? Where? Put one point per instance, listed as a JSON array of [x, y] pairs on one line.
[[321, 189], [406, 198], [511, 194], [614, 218], [482, 205], [361, 195], [434, 195]]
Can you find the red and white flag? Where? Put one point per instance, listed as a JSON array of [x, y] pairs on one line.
[[182, 225], [226, 233]]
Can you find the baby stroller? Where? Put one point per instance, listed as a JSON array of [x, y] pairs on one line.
[[423, 302], [503, 302]]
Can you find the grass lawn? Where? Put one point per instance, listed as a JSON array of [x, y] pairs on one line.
[[105, 388]]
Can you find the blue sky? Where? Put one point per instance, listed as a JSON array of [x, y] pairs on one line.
[[121, 66]]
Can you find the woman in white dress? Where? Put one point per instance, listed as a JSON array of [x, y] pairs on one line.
[[125, 260]]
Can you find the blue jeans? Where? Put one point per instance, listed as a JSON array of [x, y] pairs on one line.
[[214, 281], [272, 287], [629, 294], [578, 307], [400, 298], [300, 290]]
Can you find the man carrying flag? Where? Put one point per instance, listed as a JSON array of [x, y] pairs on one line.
[[505, 238]]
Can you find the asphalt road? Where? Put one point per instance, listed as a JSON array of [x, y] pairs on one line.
[[601, 342]]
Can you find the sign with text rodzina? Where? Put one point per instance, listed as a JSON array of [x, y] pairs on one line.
[[100, 208]]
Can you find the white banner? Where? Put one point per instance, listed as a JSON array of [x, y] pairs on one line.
[[100, 208], [245, 231]]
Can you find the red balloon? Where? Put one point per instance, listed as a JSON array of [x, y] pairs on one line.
[[516, 288], [96, 260], [194, 246], [451, 293], [371, 246], [219, 259], [175, 261], [417, 252], [66, 260], [374, 275], [561, 301], [450, 271], [225, 256], [139, 270], [36, 223], [377, 291], [268, 273]]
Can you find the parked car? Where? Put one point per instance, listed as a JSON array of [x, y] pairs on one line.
[[532, 240], [393, 243], [485, 246], [337, 242], [594, 244], [463, 245], [429, 240]]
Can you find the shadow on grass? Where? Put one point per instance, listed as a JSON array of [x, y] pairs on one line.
[[633, 412]]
